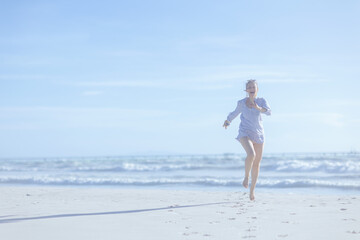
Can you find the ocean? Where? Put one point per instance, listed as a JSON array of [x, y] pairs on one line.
[[331, 171]]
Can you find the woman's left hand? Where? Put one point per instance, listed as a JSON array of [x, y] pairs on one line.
[[256, 106]]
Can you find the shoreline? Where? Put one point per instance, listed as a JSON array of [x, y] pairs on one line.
[[284, 190], [41, 212]]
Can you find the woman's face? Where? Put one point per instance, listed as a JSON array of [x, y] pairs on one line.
[[251, 89]]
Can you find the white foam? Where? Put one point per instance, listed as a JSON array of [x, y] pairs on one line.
[[277, 170]]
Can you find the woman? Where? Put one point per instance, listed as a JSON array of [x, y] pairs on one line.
[[251, 131]]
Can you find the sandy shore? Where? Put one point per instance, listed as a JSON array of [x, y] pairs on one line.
[[113, 213]]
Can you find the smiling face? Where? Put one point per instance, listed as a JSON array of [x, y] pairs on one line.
[[252, 89]]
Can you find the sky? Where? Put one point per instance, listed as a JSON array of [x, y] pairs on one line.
[[105, 78]]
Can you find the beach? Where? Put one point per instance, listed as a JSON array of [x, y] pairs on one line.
[[58, 212], [125, 120]]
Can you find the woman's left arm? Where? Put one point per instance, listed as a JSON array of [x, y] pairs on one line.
[[264, 107], [261, 109]]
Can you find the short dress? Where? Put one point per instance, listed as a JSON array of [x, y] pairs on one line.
[[251, 121]]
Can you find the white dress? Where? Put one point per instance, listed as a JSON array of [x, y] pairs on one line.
[[251, 121]]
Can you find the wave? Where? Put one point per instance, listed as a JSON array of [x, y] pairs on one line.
[[126, 167], [327, 163], [277, 171], [326, 166], [210, 182]]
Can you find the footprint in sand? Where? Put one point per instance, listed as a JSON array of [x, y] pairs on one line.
[[172, 206], [250, 236], [188, 234], [251, 229], [214, 222], [236, 206]]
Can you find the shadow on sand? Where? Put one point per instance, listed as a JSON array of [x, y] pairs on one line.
[[12, 220]]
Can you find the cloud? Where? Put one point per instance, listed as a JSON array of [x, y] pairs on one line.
[[208, 78], [341, 102], [203, 78], [17, 60], [292, 80], [25, 77], [213, 41], [39, 117], [355, 120], [43, 109], [44, 38], [127, 53], [328, 118], [92, 93], [183, 84], [118, 83]]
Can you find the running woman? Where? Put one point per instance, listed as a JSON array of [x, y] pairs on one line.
[[251, 131]]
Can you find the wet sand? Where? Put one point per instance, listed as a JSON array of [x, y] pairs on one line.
[[116, 213]]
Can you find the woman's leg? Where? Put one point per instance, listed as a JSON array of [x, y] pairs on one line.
[[250, 152], [258, 147]]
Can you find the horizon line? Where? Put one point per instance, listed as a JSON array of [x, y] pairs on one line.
[[181, 154]]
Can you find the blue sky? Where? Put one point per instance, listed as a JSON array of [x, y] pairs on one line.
[[91, 78]]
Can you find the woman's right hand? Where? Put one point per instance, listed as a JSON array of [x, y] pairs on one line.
[[226, 124]]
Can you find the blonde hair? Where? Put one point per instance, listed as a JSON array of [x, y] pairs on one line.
[[248, 82], [251, 81]]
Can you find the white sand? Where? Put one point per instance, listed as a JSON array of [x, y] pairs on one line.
[[110, 213]]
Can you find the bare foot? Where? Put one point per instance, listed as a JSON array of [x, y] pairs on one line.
[[252, 196], [246, 182]]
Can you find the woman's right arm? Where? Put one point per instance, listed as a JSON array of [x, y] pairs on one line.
[[233, 114]]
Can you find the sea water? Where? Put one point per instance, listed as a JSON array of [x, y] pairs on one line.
[[331, 171]]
